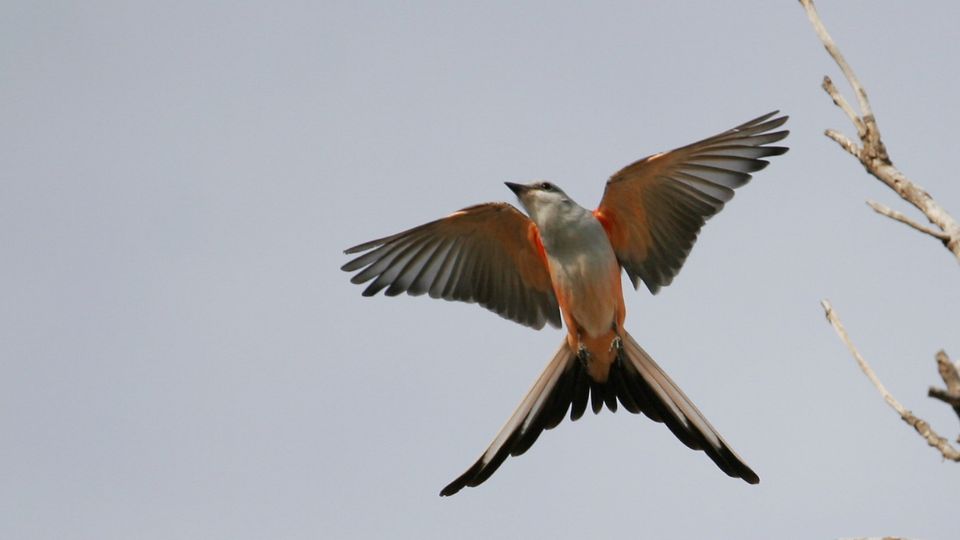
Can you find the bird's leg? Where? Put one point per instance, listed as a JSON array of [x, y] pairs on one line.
[[617, 344], [582, 353]]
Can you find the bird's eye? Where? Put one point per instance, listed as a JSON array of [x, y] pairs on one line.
[[546, 186]]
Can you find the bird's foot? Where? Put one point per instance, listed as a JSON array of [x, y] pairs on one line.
[[616, 345], [582, 353]]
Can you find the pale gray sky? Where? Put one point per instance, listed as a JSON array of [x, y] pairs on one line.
[[183, 358]]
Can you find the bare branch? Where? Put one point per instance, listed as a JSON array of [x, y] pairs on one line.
[[921, 426], [844, 142], [893, 214], [861, 361], [841, 102], [837, 57], [872, 153], [944, 396], [950, 373]]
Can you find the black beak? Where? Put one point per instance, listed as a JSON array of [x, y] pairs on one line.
[[518, 189]]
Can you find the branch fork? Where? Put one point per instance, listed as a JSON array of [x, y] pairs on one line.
[[921, 426], [872, 153]]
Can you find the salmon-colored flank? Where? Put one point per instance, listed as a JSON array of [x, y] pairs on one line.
[[533, 235], [604, 219], [609, 221], [599, 347]]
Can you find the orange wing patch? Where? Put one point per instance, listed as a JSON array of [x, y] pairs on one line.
[[533, 236], [486, 254], [653, 209]]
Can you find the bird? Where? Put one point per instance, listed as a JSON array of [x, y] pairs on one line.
[[561, 263]]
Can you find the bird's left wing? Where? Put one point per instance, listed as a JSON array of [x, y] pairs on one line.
[[653, 209], [489, 254]]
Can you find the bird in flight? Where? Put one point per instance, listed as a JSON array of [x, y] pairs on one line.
[[563, 261]]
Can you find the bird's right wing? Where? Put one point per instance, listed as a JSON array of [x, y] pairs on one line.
[[489, 254], [653, 209]]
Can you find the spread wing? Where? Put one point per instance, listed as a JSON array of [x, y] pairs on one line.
[[489, 254], [653, 209]]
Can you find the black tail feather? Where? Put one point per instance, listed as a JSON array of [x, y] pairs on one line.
[[623, 391], [635, 381], [581, 393], [597, 391]]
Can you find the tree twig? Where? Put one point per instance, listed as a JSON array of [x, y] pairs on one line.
[[872, 153], [893, 214], [944, 396], [841, 102], [950, 373], [920, 425]]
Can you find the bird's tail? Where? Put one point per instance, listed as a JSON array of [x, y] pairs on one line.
[[635, 381]]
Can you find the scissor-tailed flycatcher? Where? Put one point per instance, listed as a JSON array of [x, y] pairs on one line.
[[566, 260]]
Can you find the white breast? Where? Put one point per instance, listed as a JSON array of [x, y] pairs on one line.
[[585, 271]]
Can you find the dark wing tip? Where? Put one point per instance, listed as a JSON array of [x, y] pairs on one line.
[[772, 114], [353, 265], [365, 246], [763, 118], [774, 137], [763, 123], [777, 150]]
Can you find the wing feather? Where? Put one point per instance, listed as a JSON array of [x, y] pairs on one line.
[[654, 209], [487, 254]]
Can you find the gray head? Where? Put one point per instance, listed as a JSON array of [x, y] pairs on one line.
[[545, 202]]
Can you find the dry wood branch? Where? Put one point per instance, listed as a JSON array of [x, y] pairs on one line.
[[944, 396], [950, 373], [921, 426], [841, 102], [844, 142], [872, 153], [893, 214]]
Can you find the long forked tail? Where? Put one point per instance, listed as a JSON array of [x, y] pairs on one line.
[[635, 380]]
